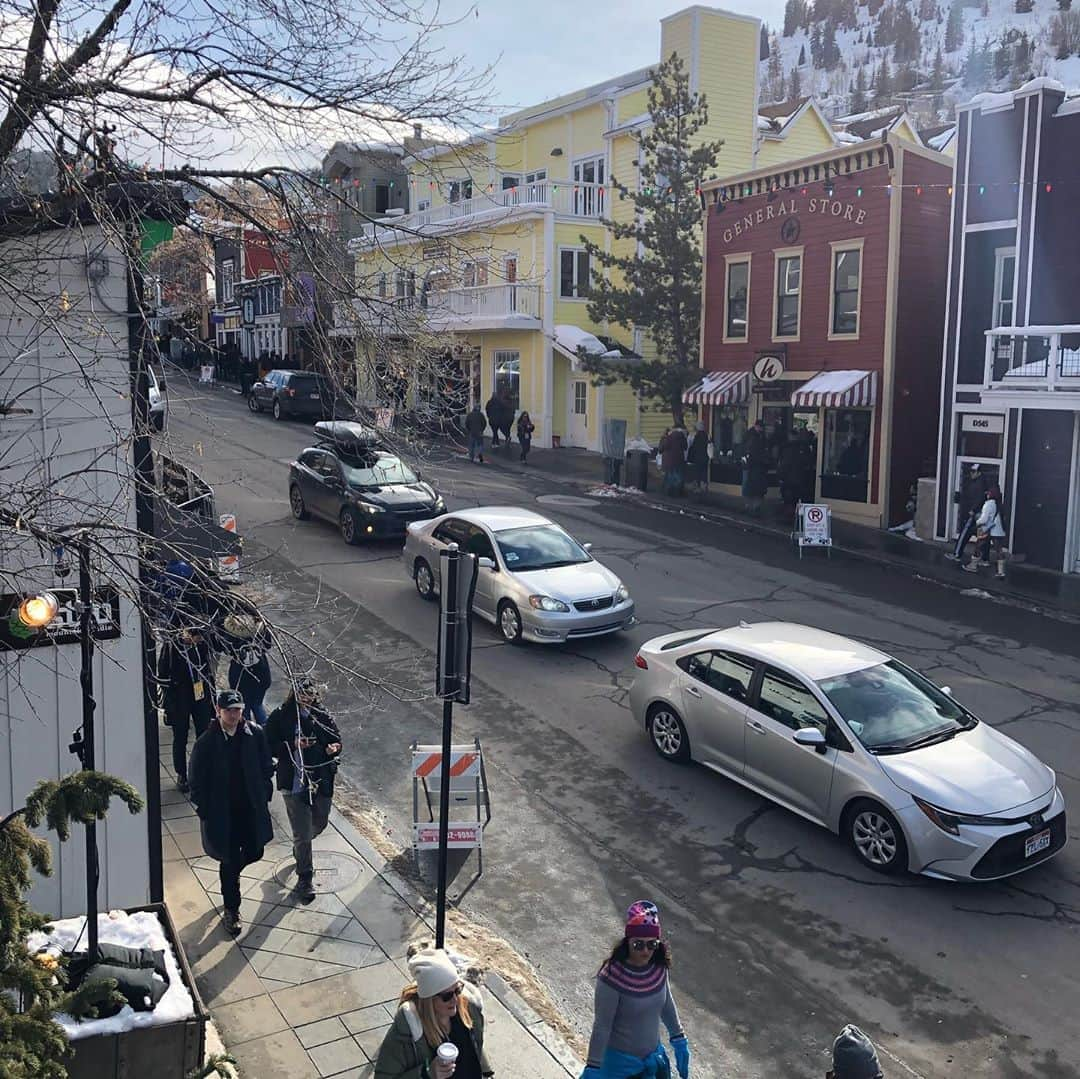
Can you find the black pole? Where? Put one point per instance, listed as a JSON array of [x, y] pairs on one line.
[[86, 681], [448, 589]]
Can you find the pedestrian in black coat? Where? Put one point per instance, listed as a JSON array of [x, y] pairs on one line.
[[186, 676], [304, 738], [475, 425], [231, 789], [246, 641], [493, 409]]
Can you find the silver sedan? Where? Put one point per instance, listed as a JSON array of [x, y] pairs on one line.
[[853, 740], [535, 581]]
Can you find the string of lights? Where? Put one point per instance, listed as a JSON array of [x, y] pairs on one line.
[[829, 187]]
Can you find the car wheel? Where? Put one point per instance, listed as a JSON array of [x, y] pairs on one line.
[[350, 530], [296, 503], [424, 578], [278, 414], [668, 735], [253, 405], [509, 622], [876, 838]]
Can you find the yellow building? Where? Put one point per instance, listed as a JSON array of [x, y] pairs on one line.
[[490, 259]]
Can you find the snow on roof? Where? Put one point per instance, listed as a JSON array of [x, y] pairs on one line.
[[846, 137], [1043, 83], [571, 338], [872, 114], [989, 102], [1070, 105], [940, 141]]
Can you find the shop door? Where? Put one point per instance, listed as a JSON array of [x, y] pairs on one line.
[[1041, 497], [578, 413]]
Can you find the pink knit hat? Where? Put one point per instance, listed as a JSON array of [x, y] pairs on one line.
[[643, 920]]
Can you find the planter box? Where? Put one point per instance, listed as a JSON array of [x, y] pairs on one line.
[[169, 1051]]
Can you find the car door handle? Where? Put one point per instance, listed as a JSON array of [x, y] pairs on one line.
[[693, 691], [756, 727]]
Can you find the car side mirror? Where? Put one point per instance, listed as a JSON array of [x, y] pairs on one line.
[[487, 563], [947, 690], [811, 736]]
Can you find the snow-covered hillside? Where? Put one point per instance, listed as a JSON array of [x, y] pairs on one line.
[[926, 54]]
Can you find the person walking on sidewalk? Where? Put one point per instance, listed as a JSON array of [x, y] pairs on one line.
[[990, 535], [506, 416], [436, 1007], [304, 738], [525, 428], [697, 457], [231, 790], [854, 1056], [248, 643], [633, 998], [186, 675], [475, 425], [673, 448], [755, 462], [493, 408], [972, 497]]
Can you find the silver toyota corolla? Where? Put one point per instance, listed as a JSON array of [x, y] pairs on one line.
[[535, 581], [854, 740]]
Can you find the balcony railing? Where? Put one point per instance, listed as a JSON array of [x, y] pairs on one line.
[[563, 196], [1032, 357], [446, 309]]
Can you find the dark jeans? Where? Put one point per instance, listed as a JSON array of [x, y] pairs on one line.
[[476, 446], [965, 535], [180, 711], [241, 854], [526, 445], [307, 820]]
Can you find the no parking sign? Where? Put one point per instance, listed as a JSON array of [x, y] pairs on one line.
[[813, 526]]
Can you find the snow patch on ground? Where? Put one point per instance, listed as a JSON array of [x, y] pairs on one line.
[[139, 930], [610, 490]]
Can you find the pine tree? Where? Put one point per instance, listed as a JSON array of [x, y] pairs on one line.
[[802, 56], [927, 10], [937, 78], [763, 43], [858, 94], [1064, 5], [791, 17], [33, 988], [815, 46], [883, 83], [1024, 7], [954, 28], [795, 85], [776, 71], [830, 51], [659, 291]]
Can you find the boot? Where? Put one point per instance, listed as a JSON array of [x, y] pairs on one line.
[[1000, 569], [303, 889], [231, 920]]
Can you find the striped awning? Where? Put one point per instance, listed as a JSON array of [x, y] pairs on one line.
[[719, 388], [838, 389]]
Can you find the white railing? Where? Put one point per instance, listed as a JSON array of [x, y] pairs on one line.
[[1032, 357], [483, 301], [563, 196]]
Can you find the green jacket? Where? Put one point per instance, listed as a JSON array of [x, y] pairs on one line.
[[405, 1053]]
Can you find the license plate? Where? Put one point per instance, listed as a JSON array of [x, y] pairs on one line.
[[1035, 843]]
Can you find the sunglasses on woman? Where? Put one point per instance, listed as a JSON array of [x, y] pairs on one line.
[[450, 994], [644, 945]]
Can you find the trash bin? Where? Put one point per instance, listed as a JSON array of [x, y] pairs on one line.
[[637, 469], [612, 470]]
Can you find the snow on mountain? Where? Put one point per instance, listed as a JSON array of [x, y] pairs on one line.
[[856, 56]]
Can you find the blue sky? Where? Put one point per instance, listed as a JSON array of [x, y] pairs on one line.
[[543, 48]]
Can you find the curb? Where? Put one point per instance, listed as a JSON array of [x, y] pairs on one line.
[[531, 1022]]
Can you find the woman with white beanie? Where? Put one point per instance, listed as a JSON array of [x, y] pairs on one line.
[[436, 1008]]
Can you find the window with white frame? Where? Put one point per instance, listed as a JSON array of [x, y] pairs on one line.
[[460, 190], [788, 287], [508, 376], [1004, 279], [228, 280], [474, 274], [574, 273], [846, 279], [589, 199], [738, 292]]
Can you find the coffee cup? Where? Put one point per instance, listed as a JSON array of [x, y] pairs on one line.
[[447, 1053]]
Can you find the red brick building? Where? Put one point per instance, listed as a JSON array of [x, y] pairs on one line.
[[824, 304]]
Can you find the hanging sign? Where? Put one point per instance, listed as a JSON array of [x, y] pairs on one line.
[[769, 367], [65, 627]]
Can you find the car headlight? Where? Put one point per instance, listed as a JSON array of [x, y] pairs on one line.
[[950, 822], [622, 594], [548, 603], [368, 507]]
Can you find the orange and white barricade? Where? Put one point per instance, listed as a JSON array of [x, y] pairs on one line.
[[470, 804]]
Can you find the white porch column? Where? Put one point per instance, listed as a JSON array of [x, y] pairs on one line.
[[547, 358]]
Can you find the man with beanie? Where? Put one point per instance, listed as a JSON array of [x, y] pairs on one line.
[[231, 790], [854, 1056]]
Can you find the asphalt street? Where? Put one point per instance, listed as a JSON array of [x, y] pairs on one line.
[[779, 936]]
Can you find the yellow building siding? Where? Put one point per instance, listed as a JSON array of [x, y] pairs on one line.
[[676, 35], [727, 76], [632, 104], [805, 136]]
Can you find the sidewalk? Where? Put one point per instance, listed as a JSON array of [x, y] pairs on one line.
[[1028, 585], [309, 991]]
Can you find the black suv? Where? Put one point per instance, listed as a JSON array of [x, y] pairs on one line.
[[298, 393], [364, 488]]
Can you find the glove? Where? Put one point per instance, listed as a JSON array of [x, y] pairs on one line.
[[681, 1048], [592, 1073]]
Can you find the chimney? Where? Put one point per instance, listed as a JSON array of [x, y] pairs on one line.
[[418, 131]]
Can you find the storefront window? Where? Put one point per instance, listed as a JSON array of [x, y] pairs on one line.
[[508, 376], [737, 284], [788, 284], [846, 292], [729, 423], [846, 463]]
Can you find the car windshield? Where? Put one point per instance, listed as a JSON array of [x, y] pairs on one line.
[[890, 708], [539, 547], [376, 470]]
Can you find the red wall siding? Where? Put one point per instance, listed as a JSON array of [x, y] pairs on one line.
[[923, 268]]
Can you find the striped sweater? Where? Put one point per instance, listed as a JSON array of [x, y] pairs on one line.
[[630, 1005]]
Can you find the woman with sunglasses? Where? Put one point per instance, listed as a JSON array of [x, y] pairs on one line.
[[632, 999], [436, 1007]]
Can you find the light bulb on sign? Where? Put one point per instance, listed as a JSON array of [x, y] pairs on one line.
[[36, 612]]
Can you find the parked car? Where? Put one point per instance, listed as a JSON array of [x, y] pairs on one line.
[[853, 740], [365, 489], [158, 402], [293, 394], [535, 581]]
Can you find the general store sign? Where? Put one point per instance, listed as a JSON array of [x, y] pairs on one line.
[[787, 208]]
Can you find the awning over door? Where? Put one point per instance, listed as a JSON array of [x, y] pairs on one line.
[[720, 388], [838, 389]]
